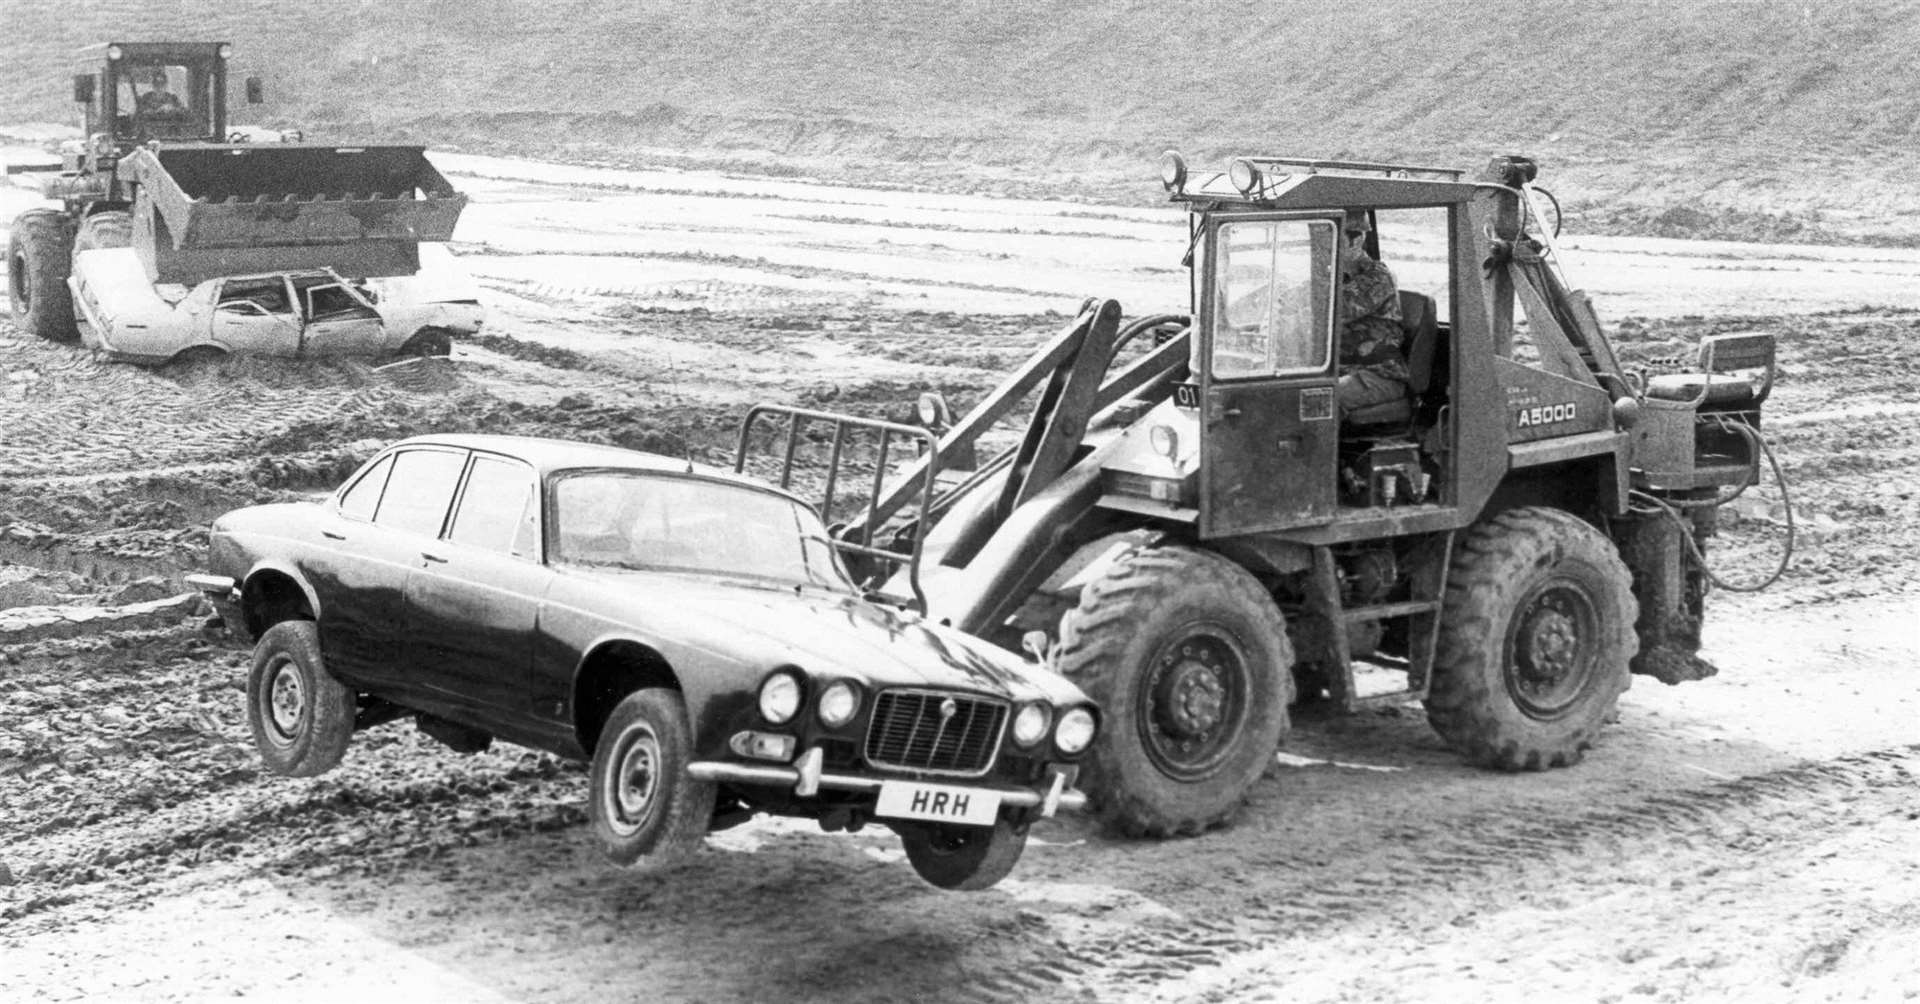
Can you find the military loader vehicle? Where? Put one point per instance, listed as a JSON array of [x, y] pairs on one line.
[[1191, 530], [157, 173]]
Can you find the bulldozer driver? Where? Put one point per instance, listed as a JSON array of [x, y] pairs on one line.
[[1372, 366], [158, 100]]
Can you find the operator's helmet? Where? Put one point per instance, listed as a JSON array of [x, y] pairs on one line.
[[1357, 220], [159, 78]]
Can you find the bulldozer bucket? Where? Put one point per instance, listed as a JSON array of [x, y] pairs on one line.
[[206, 211]]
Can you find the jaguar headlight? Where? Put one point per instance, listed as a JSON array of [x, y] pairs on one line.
[[1075, 731], [1030, 724], [838, 703], [780, 698]]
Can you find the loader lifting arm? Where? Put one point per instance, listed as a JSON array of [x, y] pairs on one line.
[[1073, 366]]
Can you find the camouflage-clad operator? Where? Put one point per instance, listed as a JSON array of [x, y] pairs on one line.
[[1372, 369]]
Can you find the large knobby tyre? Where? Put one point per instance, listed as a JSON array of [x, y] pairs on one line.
[[1188, 658], [302, 718], [39, 256], [964, 858], [640, 800], [1535, 635], [110, 229]]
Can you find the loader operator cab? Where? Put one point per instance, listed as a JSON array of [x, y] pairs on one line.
[[133, 92], [1264, 359]]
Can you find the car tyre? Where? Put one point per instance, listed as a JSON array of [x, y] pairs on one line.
[[641, 803], [1536, 633], [301, 716], [964, 858], [198, 356], [39, 256], [428, 343]]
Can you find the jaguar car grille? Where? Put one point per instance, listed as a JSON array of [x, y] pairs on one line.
[[932, 731]]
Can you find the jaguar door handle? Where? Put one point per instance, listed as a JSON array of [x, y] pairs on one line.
[[436, 559], [330, 535]]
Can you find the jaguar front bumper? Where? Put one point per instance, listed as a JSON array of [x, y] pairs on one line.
[[806, 778]]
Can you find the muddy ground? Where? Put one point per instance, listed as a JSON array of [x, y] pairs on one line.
[[1755, 835]]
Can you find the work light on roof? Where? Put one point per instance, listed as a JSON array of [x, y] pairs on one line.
[[1244, 175], [225, 51], [1173, 171], [114, 52]]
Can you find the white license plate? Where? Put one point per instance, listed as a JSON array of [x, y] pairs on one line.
[[937, 803]]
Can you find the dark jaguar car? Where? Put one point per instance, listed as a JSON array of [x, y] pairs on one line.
[[691, 632]]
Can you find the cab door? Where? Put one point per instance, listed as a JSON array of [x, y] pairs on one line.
[[1269, 424], [340, 321]]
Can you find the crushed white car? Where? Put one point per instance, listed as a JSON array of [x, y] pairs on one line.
[[303, 313]]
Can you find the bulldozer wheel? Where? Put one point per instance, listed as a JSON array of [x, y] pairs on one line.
[[111, 229], [1188, 658], [39, 255], [1536, 632]]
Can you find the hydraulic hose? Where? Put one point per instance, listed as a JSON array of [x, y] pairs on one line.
[[1132, 331], [1758, 447]]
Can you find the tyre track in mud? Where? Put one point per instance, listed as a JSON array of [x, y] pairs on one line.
[[1447, 861], [131, 778]]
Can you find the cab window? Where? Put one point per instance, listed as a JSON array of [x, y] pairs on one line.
[[1415, 245], [419, 490], [496, 511], [1273, 283], [360, 500], [163, 101]]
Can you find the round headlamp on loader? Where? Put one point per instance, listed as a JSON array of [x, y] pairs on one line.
[[1245, 176], [1173, 171], [114, 52], [1165, 442], [225, 51], [931, 410]]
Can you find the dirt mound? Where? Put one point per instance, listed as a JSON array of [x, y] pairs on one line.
[[1080, 98]]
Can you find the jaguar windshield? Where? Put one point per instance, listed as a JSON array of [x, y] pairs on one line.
[[646, 521]]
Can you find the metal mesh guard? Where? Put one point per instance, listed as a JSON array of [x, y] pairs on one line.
[[910, 731]]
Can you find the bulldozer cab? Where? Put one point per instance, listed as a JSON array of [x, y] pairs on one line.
[[133, 92]]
